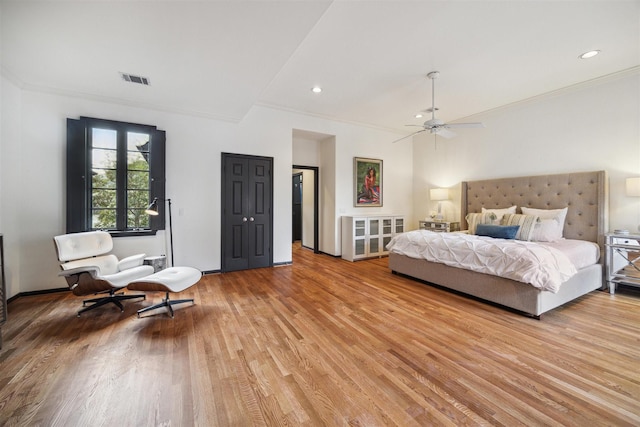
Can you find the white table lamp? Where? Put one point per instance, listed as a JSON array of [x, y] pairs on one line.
[[633, 188], [439, 194]]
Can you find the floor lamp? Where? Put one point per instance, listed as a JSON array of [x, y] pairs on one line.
[[153, 210]]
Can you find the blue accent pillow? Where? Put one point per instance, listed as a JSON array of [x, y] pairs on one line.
[[497, 231]]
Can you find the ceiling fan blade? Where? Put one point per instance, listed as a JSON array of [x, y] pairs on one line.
[[463, 125], [445, 133], [405, 137]]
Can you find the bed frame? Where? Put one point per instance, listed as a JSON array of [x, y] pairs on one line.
[[585, 193]]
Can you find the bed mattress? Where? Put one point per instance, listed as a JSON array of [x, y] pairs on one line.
[[580, 252]]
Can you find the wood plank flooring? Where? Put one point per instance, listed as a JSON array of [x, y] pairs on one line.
[[321, 342]]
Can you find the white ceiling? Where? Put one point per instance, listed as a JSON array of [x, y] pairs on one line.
[[219, 58]]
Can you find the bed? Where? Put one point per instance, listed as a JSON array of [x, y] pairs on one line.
[[585, 196]]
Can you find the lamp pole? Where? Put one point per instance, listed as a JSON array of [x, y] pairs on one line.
[[153, 210], [170, 232]]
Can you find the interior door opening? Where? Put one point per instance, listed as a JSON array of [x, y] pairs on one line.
[[305, 195]]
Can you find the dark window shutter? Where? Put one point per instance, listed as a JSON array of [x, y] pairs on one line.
[[157, 163], [77, 178]]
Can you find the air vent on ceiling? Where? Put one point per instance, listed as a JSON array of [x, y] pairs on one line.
[[135, 79]]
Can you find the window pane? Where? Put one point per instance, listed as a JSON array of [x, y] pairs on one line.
[[101, 179], [104, 138], [103, 198], [137, 202], [137, 161], [103, 218], [138, 180], [137, 218], [103, 159], [138, 142], [137, 199]]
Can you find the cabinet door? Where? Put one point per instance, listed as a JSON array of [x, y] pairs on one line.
[[374, 228], [375, 246], [399, 225], [387, 226], [359, 238], [387, 233]]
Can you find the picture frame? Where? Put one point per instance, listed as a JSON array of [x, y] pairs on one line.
[[367, 177]]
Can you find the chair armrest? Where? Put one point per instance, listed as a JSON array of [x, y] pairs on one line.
[[91, 269], [131, 261]]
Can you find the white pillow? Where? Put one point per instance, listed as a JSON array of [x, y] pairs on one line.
[[551, 224], [500, 213]]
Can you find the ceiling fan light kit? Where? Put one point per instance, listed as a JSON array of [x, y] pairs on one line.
[[437, 126]]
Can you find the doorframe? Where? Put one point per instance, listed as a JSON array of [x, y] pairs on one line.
[[316, 204]]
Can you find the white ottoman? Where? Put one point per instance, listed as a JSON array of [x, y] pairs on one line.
[[172, 279]]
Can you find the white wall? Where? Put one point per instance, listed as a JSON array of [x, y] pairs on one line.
[[306, 151], [594, 126], [308, 199], [10, 183], [33, 159], [329, 219]]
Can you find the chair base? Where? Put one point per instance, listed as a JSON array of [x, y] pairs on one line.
[[112, 298], [166, 302]]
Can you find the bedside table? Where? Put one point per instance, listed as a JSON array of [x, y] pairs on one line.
[[441, 226], [625, 249]]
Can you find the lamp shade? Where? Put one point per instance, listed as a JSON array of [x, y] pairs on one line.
[[439, 194], [153, 208], [633, 187]]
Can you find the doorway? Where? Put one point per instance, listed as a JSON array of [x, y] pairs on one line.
[[296, 221], [305, 216]]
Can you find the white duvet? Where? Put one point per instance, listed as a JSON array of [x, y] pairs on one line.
[[542, 266]]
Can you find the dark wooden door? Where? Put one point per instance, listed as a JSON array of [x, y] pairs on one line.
[[247, 207], [296, 220]]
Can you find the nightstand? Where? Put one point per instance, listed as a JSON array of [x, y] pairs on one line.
[[442, 226], [622, 260]]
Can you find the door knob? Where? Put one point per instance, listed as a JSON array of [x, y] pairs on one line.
[[244, 219], [251, 219]]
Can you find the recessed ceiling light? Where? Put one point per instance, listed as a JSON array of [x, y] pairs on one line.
[[418, 116], [316, 89], [589, 54]]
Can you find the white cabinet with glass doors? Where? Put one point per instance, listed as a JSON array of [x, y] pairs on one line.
[[367, 236]]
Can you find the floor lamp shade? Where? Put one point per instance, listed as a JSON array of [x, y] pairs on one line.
[[152, 209]]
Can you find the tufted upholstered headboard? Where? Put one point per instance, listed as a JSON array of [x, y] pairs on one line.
[[585, 193]]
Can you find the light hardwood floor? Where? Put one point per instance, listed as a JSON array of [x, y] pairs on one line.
[[321, 342]]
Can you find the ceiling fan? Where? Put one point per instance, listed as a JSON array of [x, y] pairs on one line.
[[437, 126]]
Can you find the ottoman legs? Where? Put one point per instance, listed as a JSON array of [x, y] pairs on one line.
[[166, 302]]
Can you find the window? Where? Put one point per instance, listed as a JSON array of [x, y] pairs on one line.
[[114, 170]]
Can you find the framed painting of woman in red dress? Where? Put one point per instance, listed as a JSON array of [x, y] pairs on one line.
[[368, 181]]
